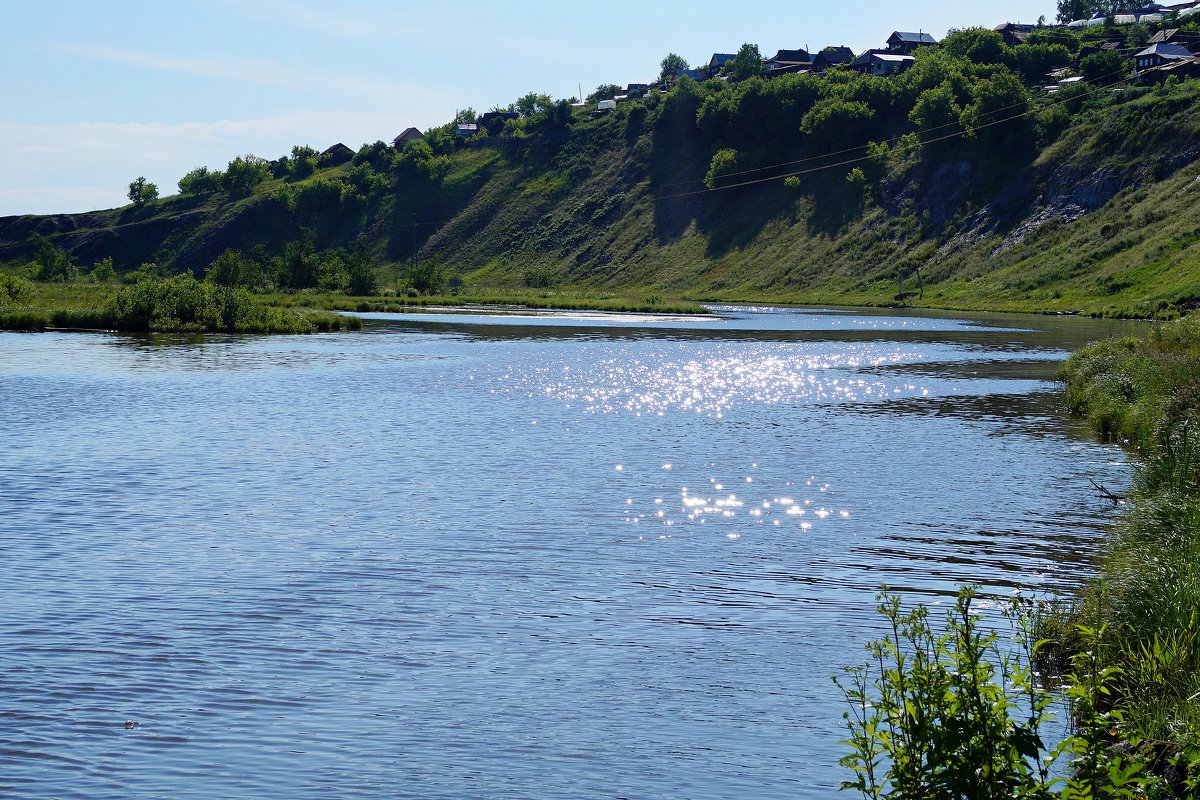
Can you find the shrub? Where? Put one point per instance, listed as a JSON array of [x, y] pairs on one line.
[[960, 714]]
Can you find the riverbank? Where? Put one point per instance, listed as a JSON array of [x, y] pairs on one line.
[[1145, 601], [176, 304]]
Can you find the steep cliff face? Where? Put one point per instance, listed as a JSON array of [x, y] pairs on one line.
[[1104, 215]]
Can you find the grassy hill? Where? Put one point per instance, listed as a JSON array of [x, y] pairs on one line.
[[1082, 201]]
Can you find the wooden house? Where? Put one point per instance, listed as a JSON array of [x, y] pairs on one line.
[[1158, 54], [907, 43], [786, 61], [409, 135], [832, 57], [1014, 33], [335, 155], [882, 62]]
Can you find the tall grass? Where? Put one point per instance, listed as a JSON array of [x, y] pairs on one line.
[[1146, 392]]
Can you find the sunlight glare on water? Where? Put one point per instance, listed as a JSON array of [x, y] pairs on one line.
[[506, 554]]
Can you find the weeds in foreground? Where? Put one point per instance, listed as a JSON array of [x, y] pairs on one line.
[[961, 713]]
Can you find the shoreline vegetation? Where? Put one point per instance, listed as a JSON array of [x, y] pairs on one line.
[[957, 711]]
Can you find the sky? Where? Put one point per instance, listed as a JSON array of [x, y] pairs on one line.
[[99, 93]]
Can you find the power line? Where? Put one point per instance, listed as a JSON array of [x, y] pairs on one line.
[[861, 159]]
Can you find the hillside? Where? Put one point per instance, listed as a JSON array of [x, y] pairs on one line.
[[960, 172]]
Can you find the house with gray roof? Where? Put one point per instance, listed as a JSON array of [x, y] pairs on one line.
[[882, 62], [408, 135], [1158, 54], [833, 56], [907, 43]]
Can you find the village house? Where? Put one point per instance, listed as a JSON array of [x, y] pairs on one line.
[[466, 130], [832, 57], [1171, 36], [694, 74], [882, 62], [493, 121], [337, 154], [1181, 68], [1014, 33], [718, 61], [907, 43], [1158, 54], [787, 61], [408, 135]]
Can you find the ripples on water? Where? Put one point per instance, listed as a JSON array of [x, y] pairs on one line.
[[503, 556]]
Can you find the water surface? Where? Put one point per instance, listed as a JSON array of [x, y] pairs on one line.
[[505, 555]]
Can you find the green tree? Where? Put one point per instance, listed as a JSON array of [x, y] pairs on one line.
[[746, 64], [303, 161], [998, 107], [380, 157], [417, 160], [300, 267], [1137, 35], [360, 265], [200, 181], [51, 264], [978, 45], [935, 109], [232, 270], [1033, 61], [723, 164], [605, 91], [1104, 68], [533, 104], [837, 123], [669, 65], [465, 116], [102, 271], [244, 173], [142, 191]]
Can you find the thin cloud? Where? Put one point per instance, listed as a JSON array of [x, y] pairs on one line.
[[87, 165], [260, 72]]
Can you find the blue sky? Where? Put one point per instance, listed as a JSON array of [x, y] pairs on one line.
[[98, 93]]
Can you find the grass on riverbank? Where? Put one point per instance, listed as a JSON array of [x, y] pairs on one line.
[[552, 300], [155, 304], [1146, 598]]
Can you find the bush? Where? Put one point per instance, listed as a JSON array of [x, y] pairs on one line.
[[959, 714], [14, 290], [181, 303], [201, 181]]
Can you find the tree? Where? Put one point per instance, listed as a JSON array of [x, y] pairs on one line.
[[833, 122], [231, 270], [746, 64], [978, 45], [50, 263], [1070, 10], [1137, 36], [1033, 61], [103, 272], [200, 181], [1103, 68], [605, 91], [723, 164], [669, 65], [999, 106], [935, 109], [244, 173], [533, 104], [142, 191], [465, 116], [303, 161]]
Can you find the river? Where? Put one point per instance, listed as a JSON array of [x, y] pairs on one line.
[[506, 555]]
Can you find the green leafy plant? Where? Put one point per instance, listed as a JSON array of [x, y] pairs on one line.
[[957, 712]]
